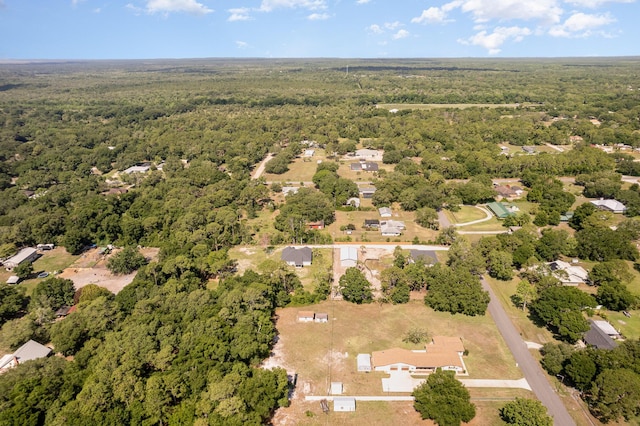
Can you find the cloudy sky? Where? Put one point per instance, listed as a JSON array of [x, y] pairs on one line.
[[131, 29]]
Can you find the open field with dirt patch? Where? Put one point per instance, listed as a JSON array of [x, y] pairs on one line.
[[91, 268], [322, 353]]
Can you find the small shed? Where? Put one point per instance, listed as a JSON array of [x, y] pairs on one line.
[[336, 388], [344, 404], [363, 362], [385, 212], [321, 317], [348, 256], [13, 279], [306, 316]]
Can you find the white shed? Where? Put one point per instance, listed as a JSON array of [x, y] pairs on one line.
[[364, 362], [348, 256], [336, 388], [344, 404]]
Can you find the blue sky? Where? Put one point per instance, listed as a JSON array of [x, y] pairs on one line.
[[142, 29]]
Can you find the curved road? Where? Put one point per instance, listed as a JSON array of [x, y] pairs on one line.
[[530, 368]]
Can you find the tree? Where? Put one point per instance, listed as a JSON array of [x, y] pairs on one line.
[[23, 270], [443, 399], [53, 293], [525, 412], [525, 294], [499, 265], [354, 287], [615, 296], [427, 218], [463, 255], [552, 244], [561, 308], [554, 356], [126, 261], [581, 369], [615, 393], [456, 291], [12, 301]]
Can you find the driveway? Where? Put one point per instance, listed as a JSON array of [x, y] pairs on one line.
[[531, 369]]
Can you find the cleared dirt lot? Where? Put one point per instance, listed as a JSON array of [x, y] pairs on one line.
[[91, 268], [323, 353]]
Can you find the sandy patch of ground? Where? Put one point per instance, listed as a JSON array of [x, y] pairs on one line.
[[91, 268]]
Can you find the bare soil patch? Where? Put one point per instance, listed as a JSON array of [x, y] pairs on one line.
[[91, 268]]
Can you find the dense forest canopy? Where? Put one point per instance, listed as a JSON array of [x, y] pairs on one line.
[[173, 348]]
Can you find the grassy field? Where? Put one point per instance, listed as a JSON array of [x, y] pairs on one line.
[[301, 169], [250, 257], [466, 214], [322, 353], [50, 261]]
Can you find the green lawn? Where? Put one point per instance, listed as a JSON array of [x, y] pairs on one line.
[[50, 261], [467, 214]]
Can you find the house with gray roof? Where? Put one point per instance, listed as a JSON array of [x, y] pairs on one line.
[[27, 352], [28, 254], [598, 338], [298, 257]]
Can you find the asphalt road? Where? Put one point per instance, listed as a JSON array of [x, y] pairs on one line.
[[530, 368]]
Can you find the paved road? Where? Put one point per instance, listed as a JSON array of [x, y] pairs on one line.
[[532, 371], [443, 219]]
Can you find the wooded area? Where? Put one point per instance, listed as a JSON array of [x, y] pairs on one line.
[[180, 345]]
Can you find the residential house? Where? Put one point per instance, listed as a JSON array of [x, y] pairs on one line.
[[371, 223], [27, 352], [613, 206], [348, 256], [391, 228], [138, 168], [297, 257], [529, 149], [343, 403], [306, 316], [286, 190], [443, 352], [568, 274], [353, 202], [510, 192], [27, 254], [385, 211], [599, 338], [429, 257], [499, 210], [368, 154], [367, 192], [316, 225], [63, 311], [364, 166], [363, 362]]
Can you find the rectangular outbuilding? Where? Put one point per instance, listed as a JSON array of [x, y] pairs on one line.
[[363, 362], [344, 403]]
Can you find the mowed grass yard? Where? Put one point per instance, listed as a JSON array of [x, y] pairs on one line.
[[50, 261], [250, 257], [323, 353]]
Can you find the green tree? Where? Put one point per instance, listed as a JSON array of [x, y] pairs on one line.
[[561, 308], [525, 294], [427, 218], [554, 356], [23, 270], [443, 399], [525, 412], [455, 291], [614, 394], [126, 261], [12, 302], [581, 369], [355, 287], [53, 293], [499, 265], [615, 296]]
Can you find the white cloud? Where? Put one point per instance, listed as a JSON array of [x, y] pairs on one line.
[[545, 11], [241, 44], [168, 6], [492, 42], [269, 5], [437, 15], [239, 14], [73, 2], [581, 25], [375, 28], [362, 1], [400, 34], [595, 3], [392, 25], [318, 16]]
